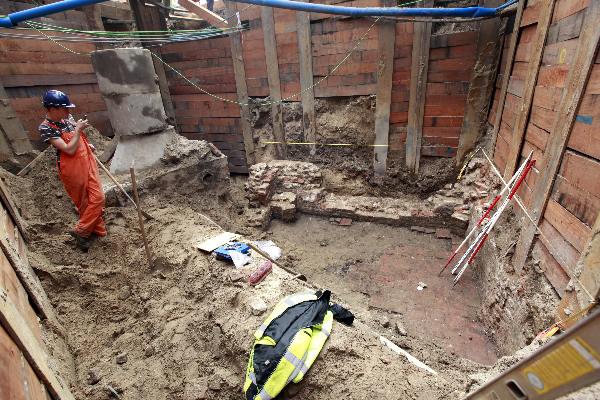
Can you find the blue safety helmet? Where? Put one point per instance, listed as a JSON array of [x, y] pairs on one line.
[[56, 98]]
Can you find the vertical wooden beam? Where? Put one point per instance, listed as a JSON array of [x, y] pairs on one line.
[[240, 84], [386, 32], [151, 18], [268, 25], [512, 49], [309, 121], [481, 87], [545, 18], [11, 127], [579, 72], [418, 87]]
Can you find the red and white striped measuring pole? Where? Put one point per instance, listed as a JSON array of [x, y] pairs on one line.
[[487, 212], [490, 225]]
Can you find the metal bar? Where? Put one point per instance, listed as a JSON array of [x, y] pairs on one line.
[[568, 363]]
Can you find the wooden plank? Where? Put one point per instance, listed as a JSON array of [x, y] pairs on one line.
[[18, 330], [572, 229], [590, 262], [385, 50], [309, 121], [241, 86], [489, 49], [555, 273], [559, 136], [547, 7], [268, 26], [47, 80], [153, 19], [11, 379], [418, 85], [13, 210], [27, 276], [10, 126], [577, 201], [204, 13]]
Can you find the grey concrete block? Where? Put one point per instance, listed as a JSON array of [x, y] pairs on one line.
[[136, 114], [125, 71], [143, 150]]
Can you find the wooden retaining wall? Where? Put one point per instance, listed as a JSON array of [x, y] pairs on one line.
[[550, 107]]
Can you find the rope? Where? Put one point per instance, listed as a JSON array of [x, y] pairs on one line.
[[271, 102]]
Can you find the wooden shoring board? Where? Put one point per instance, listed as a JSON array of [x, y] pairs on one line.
[[12, 209], [386, 31], [481, 86], [512, 50], [152, 19], [204, 13], [18, 330], [27, 276], [579, 73], [12, 127], [268, 25], [309, 121], [241, 85], [418, 85], [590, 261], [538, 44]]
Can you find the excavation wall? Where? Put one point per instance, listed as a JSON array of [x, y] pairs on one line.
[[544, 103]]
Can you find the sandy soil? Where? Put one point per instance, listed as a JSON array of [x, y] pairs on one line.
[[182, 328], [377, 268]]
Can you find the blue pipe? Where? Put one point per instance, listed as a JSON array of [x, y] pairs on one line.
[[13, 19], [466, 12]]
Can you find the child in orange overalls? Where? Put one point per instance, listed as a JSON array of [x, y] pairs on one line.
[[77, 166]]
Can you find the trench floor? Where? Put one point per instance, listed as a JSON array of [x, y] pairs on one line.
[[377, 268]]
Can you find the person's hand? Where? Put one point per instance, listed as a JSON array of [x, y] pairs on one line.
[[81, 125]]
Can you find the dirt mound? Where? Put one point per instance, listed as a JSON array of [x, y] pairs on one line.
[[182, 329]]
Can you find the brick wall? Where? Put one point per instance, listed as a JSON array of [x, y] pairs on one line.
[[208, 64]]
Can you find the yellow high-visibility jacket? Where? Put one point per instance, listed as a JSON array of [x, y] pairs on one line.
[[287, 343]]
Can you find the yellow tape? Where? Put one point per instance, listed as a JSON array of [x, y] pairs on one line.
[[328, 144]]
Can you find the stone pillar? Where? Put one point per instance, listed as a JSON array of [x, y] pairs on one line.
[[129, 86]]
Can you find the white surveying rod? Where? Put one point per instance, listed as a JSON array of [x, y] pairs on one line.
[[485, 225]]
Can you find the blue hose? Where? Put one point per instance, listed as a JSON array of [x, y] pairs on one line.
[[13, 19], [466, 12]]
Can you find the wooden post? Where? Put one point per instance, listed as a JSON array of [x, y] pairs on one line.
[[418, 87], [11, 126], [136, 197], [268, 25], [579, 72], [309, 122], [151, 18], [481, 87], [546, 9], [512, 49], [204, 13], [240, 84], [386, 32]]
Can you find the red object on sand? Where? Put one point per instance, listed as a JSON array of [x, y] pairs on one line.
[[260, 273]]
